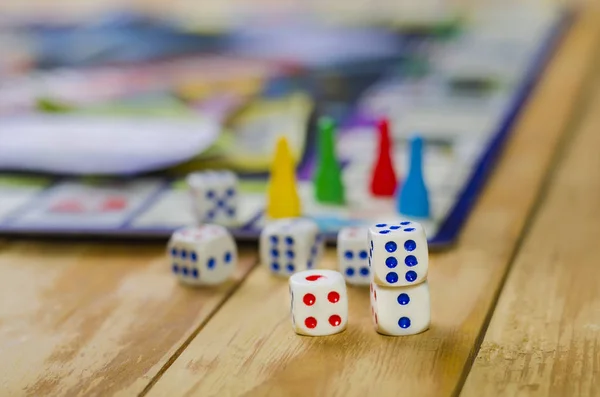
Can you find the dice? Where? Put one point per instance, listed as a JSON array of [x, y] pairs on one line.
[[214, 196], [353, 255], [203, 255], [398, 253], [319, 302], [289, 245], [401, 311]]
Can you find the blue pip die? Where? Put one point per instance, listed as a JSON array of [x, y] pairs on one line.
[[215, 196], [353, 255], [401, 311], [202, 255], [398, 253], [291, 245]]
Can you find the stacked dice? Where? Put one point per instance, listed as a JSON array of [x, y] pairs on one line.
[[399, 258]]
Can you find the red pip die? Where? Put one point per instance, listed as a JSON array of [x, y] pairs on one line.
[[319, 302]]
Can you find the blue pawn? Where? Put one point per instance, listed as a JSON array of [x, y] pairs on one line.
[[413, 200]]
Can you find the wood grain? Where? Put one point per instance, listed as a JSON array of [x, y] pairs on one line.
[[544, 337], [83, 319], [249, 348]]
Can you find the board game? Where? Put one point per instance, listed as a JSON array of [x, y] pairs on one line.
[[460, 90]]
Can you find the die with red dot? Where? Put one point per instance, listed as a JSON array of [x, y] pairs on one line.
[[400, 311], [319, 302], [398, 253]]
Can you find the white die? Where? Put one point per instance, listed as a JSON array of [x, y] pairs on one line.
[[353, 255], [319, 302], [214, 196], [204, 255], [290, 245], [399, 255], [401, 311]]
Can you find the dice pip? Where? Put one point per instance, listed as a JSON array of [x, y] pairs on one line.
[[353, 255], [290, 245], [214, 196], [203, 255], [319, 302], [398, 253], [400, 311]]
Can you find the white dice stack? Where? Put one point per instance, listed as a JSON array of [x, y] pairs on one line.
[[214, 196], [399, 259], [204, 255]]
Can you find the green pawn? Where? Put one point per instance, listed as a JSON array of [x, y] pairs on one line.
[[328, 176]]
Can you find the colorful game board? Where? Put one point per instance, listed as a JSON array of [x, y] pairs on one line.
[[461, 93]]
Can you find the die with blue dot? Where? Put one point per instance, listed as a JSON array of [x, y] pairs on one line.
[[290, 245], [353, 255], [398, 253], [202, 255], [214, 196], [400, 311]]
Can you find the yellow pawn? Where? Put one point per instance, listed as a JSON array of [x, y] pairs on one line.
[[282, 194]]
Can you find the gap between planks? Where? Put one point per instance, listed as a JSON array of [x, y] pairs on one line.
[[195, 332], [101, 319], [248, 346], [582, 106], [540, 338]]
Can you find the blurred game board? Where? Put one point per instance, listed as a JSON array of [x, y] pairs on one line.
[[462, 94]]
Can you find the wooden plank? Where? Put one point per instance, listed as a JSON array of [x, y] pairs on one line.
[[543, 339], [249, 348], [83, 319]]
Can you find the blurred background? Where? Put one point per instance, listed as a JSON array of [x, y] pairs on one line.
[[98, 96]]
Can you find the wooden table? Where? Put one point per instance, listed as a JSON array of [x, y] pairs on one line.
[[515, 305]]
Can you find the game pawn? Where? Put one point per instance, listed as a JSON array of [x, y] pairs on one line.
[[319, 302], [290, 245], [214, 195], [413, 200], [328, 185], [202, 255], [384, 182], [282, 194], [353, 255]]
